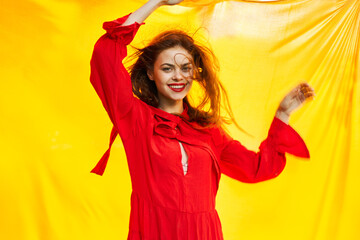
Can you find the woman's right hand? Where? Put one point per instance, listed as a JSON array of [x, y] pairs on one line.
[[171, 2], [145, 10]]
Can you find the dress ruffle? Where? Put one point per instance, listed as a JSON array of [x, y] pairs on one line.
[[125, 34]]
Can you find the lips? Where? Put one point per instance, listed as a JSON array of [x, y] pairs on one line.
[[177, 87]]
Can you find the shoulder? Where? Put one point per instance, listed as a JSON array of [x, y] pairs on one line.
[[219, 136]]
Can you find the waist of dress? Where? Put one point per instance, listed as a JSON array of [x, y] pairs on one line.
[[137, 200]]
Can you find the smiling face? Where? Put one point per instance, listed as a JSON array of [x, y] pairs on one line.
[[173, 75]]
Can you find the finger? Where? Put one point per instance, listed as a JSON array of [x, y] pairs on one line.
[[304, 84], [301, 92], [310, 95], [301, 97], [307, 90], [303, 87], [306, 94]]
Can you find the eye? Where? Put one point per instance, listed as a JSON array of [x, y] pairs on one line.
[[166, 69], [186, 69]]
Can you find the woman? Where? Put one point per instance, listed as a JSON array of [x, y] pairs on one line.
[[176, 152]]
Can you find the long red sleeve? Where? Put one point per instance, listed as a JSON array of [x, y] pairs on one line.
[[248, 166], [111, 80], [108, 75]]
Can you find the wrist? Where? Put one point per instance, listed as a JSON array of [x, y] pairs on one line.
[[283, 116]]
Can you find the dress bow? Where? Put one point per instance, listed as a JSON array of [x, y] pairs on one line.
[[166, 129]]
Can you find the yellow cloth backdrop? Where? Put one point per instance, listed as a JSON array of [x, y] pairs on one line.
[[54, 129]]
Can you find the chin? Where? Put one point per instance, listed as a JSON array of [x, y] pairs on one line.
[[179, 97]]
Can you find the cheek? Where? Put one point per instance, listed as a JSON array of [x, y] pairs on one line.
[[190, 78], [190, 83], [161, 78]]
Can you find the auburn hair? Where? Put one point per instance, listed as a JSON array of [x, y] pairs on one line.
[[206, 112]]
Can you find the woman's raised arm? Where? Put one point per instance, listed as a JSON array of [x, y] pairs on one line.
[[111, 80], [249, 166], [245, 165], [108, 75], [144, 11]]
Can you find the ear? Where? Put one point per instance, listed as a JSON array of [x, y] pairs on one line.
[[150, 75]]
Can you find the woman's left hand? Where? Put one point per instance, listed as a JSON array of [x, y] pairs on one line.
[[295, 99]]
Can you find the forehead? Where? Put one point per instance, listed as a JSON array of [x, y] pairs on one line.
[[177, 55]]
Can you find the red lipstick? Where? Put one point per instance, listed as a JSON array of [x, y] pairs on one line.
[[177, 87]]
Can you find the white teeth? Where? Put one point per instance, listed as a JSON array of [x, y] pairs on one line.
[[176, 86]]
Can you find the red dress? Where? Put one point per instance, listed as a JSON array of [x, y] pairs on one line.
[[165, 203]]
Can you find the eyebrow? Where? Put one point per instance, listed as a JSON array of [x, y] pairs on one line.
[[172, 65]]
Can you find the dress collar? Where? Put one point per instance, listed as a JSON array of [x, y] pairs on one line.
[[172, 117]]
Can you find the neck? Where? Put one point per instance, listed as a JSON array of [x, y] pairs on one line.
[[175, 107]]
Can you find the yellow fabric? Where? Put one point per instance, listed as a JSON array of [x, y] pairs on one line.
[[54, 129]]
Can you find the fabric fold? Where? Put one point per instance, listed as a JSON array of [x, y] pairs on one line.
[[126, 33], [101, 165], [287, 139], [149, 221]]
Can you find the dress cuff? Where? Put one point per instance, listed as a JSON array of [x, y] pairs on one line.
[[287, 139], [115, 29], [101, 165]]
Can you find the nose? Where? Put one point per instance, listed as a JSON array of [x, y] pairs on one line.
[[177, 75]]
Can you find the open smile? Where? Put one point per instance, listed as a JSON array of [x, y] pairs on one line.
[[177, 87]]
